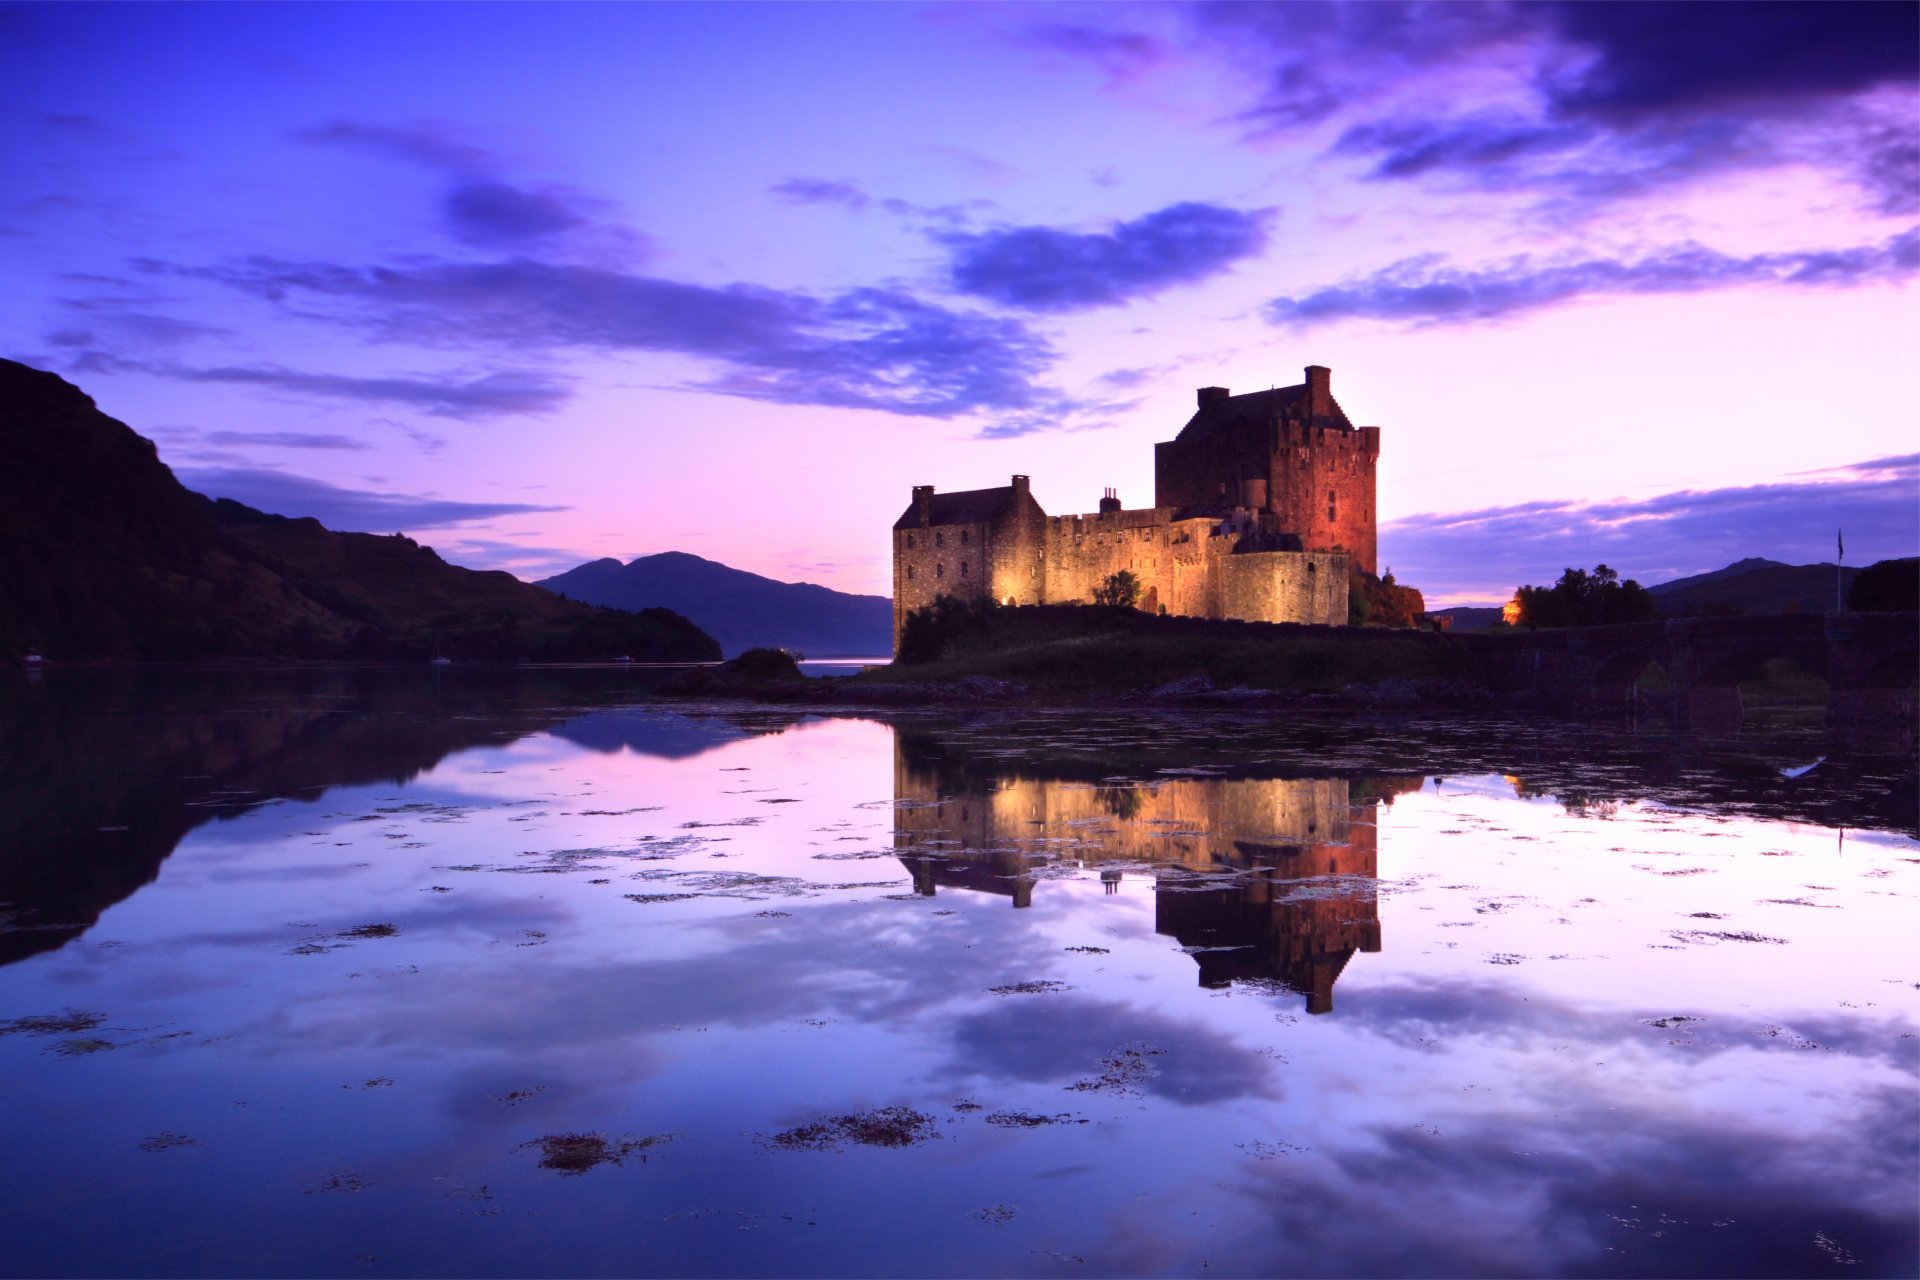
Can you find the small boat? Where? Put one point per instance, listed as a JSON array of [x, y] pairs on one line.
[[439, 659]]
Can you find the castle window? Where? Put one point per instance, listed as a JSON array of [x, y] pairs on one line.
[[963, 568], [939, 571], [909, 573], [963, 537], [939, 539], [1310, 568], [909, 542]]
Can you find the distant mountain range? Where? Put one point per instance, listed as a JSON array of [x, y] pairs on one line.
[[105, 555], [1752, 585], [739, 609]]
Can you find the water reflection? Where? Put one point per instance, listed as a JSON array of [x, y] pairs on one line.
[[396, 942], [104, 772], [1259, 879]]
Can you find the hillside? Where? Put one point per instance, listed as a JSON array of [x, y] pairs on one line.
[[1753, 586], [105, 555], [739, 609]]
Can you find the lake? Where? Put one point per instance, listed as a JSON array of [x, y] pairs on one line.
[[523, 972]]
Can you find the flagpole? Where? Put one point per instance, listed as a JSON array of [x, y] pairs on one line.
[[1839, 601]]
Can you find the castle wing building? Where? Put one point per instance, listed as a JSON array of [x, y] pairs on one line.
[[1262, 503]]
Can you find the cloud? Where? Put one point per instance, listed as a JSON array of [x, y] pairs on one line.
[[430, 145], [1049, 269], [286, 439], [866, 348], [1770, 56], [821, 191], [1121, 54], [496, 213], [350, 510], [1599, 102], [1488, 552], [139, 327], [493, 395], [481, 207], [1425, 291]]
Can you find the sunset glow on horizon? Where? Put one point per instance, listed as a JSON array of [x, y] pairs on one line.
[[540, 284]]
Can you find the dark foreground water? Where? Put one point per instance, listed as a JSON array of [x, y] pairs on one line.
[[419, 973]]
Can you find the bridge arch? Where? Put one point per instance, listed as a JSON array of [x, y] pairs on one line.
[[1618, 676]]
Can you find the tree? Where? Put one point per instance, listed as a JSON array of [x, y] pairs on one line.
[[1890, 586], [1120, 589], [1582, 599]]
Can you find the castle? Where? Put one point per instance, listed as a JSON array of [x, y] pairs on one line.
[[1261, 505]]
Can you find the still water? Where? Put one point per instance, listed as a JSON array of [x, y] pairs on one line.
[[363, 973]]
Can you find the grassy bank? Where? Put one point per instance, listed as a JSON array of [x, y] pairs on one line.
[[1080, 649]]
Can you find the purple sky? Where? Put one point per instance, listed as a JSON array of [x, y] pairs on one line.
[[543, 283]]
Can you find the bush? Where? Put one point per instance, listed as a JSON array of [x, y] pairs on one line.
[[763, 664], [929, 632], [1120, 589], [1382, 602]]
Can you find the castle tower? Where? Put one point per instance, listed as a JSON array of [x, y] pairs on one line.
[[1289, 453]]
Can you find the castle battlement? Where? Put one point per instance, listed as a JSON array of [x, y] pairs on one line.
[[1261, 504]]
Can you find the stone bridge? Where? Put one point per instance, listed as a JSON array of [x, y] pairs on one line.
[[1870, 662]]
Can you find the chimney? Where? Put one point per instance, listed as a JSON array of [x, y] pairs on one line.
[[1109, 501], [1319, 390], [1019, 486], [923, 504], [1210, 396]]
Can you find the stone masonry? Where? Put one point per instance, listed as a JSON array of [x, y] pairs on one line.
[[1261, 503]]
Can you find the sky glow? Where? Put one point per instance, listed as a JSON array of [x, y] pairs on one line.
[[538, 284]]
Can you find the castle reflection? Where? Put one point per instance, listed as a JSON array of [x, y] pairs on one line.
[[1262, 880]]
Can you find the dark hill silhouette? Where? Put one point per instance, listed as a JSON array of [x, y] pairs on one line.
[[105, 555], [1753, 586], [739, 609]]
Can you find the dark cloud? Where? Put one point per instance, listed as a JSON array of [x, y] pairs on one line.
[[1411, 147], [867, 348], [489, 396], [821, 191], [493, 213], [351, 510], [481, 207], [1425, 291], [286, 439], [432, 146], [1048, 269], [1495, 549], [1605, 101], [1654, 59]]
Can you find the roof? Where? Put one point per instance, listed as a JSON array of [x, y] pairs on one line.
[[967, 506], [1257, 409]]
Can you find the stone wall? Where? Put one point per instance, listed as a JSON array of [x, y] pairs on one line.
[[949, 560]]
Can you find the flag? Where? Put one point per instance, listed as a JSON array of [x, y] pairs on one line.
[[1840, 536]]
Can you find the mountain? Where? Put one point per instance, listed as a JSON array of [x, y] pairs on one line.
[[1750, 565], [1753, 586], [739, 609], [105, 555]]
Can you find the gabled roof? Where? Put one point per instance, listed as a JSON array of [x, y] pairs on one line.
[[968, 506], [1257, 408]]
